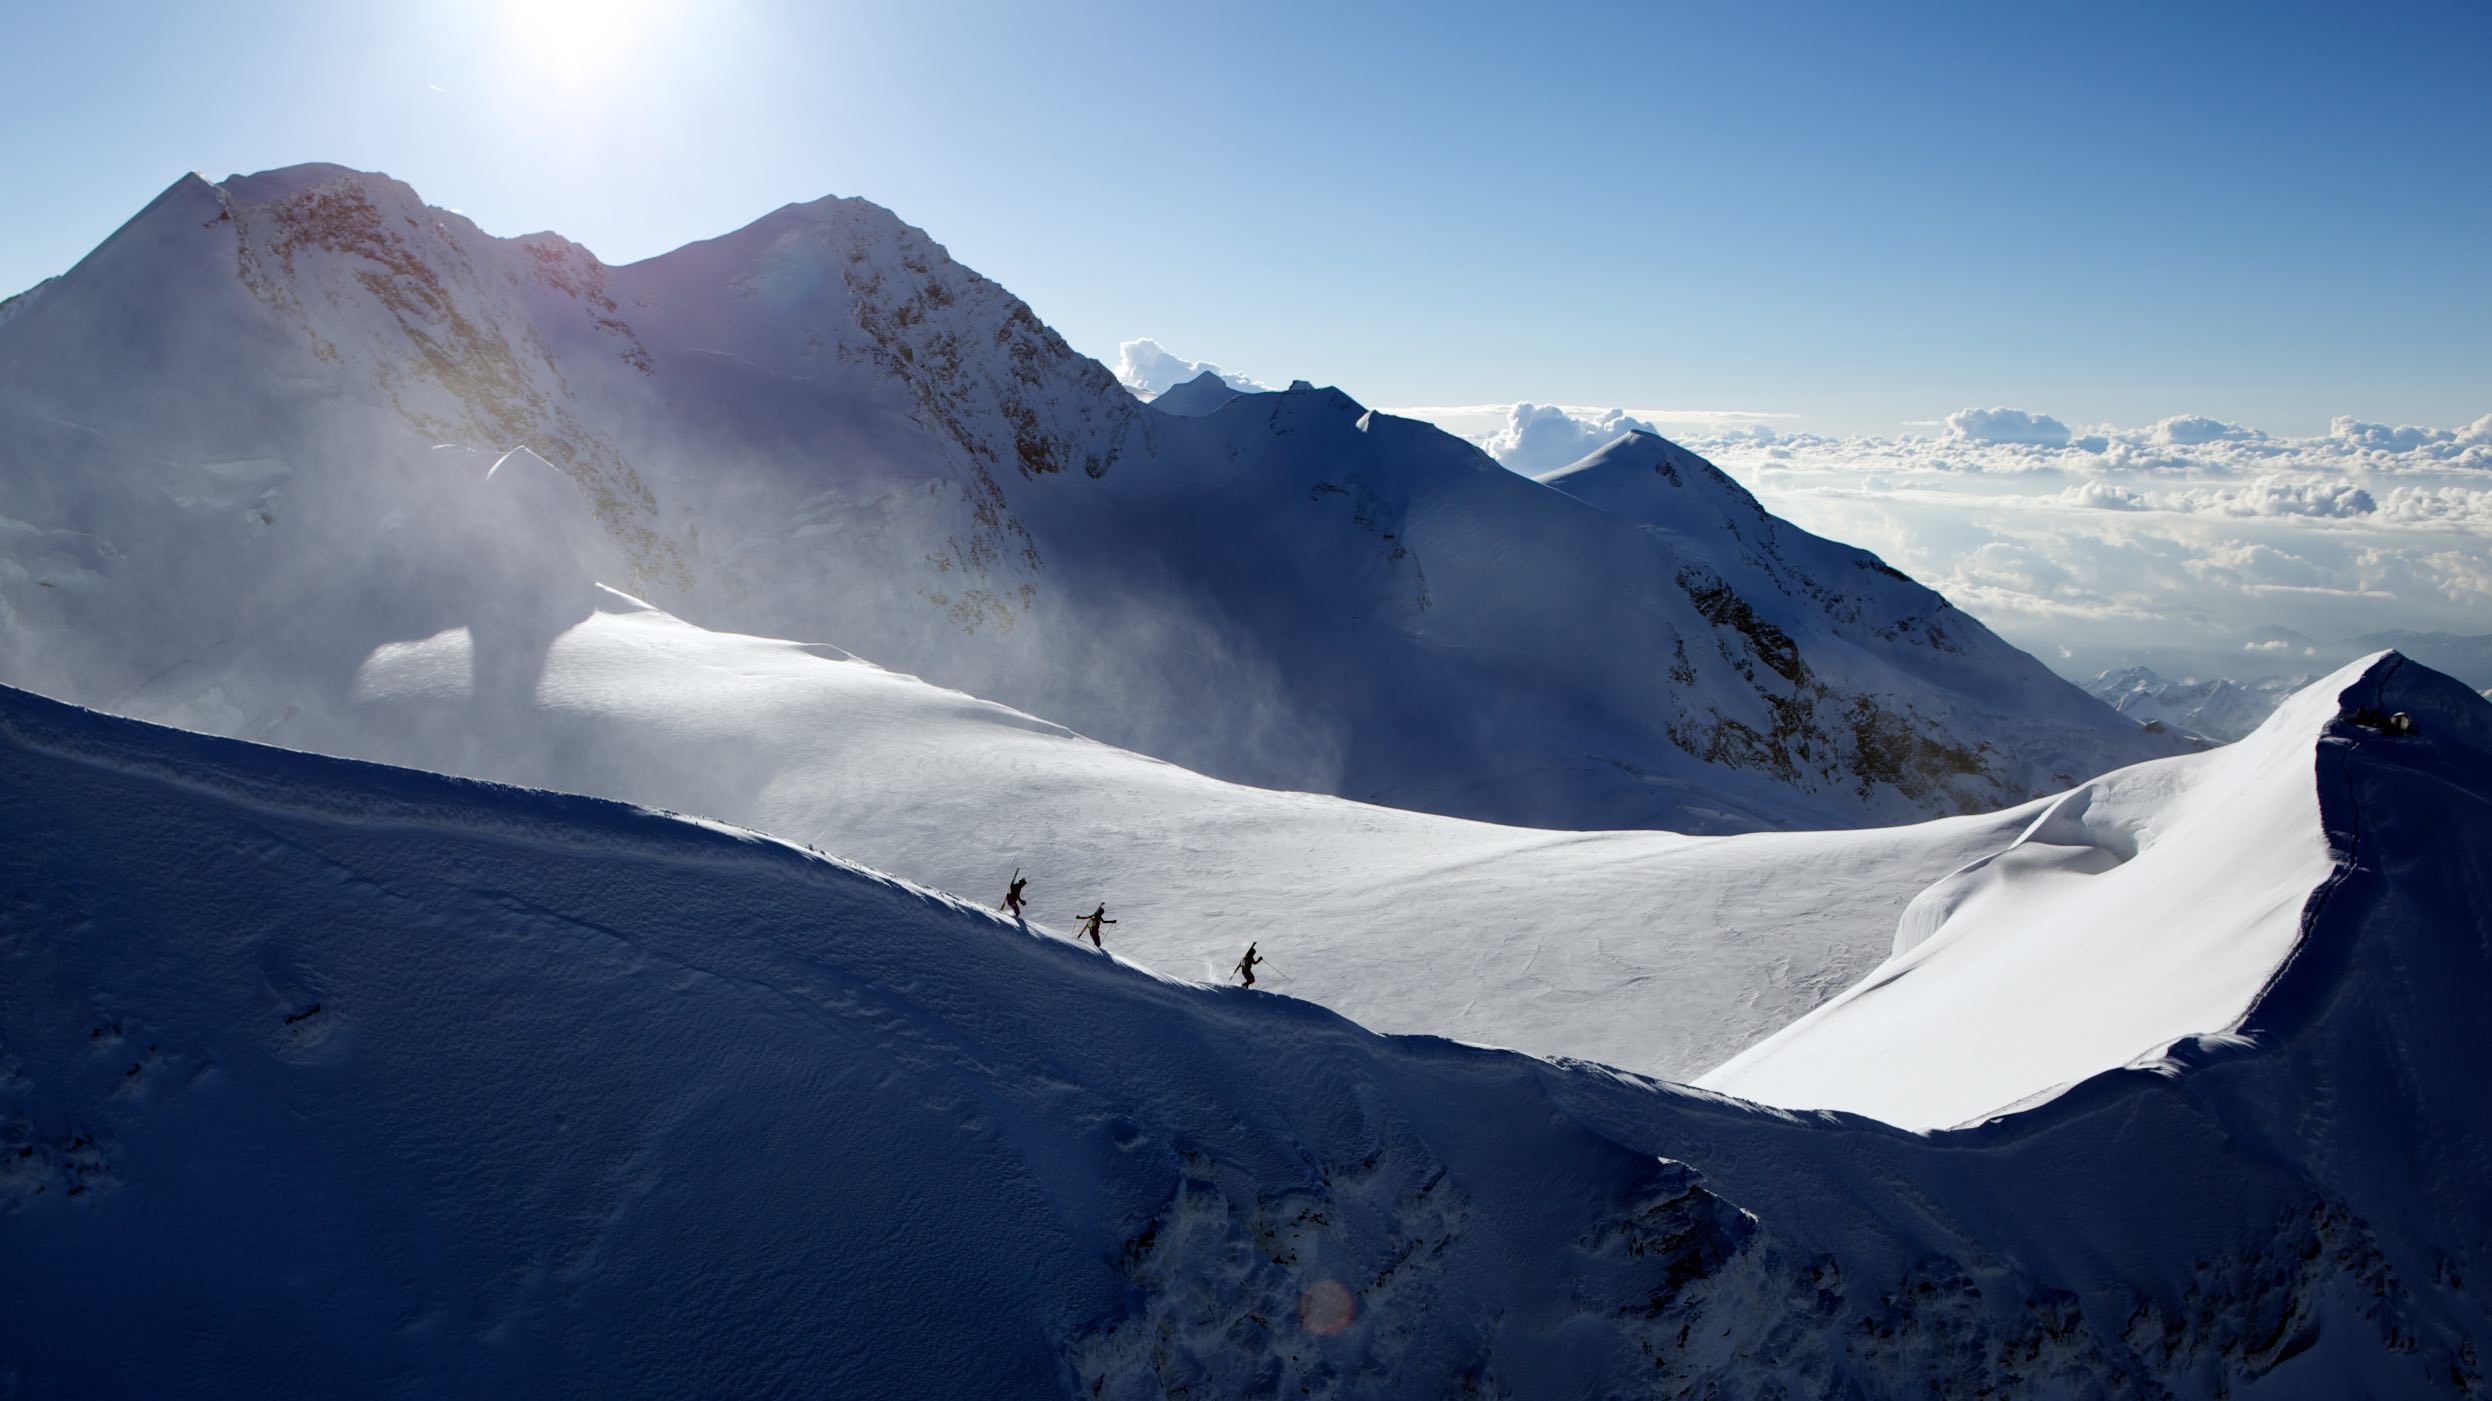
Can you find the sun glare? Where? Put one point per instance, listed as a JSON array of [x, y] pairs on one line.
[[581, 44]]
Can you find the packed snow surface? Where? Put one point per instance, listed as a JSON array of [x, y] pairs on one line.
[[319, 1077]]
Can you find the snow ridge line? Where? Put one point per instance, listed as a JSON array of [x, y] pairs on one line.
[[370, 797], [2336, 798], [279, 780]]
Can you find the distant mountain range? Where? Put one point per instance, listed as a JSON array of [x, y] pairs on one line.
[[2221, 709], [2224, 709]]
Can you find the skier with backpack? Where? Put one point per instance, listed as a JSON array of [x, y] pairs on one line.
[[1092, 921], [1246, 965], [1012, 897]]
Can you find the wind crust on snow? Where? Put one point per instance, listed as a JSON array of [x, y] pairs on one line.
[[612, 1103]]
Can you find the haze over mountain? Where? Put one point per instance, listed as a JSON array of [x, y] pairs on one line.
[[821, 427]]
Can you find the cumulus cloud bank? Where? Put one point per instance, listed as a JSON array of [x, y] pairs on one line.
[[2006, 426], [2471, 444], [1541, 438], [2192, 430], [1148, 368]]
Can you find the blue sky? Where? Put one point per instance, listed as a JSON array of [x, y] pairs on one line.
[[1862, 215]]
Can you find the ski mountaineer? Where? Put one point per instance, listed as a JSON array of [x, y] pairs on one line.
[[1246, 965], [1092, 921], [1012, 897]]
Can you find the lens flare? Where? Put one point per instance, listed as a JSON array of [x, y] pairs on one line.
[[1326, 1308]]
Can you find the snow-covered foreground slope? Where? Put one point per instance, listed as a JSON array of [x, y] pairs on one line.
[[2146, 907], [251, 425], [1661, 953], [322, 1078]]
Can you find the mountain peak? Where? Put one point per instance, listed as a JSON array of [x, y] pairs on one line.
[[1641, 476], [1205, 393], [1327, 398], [268, 187]]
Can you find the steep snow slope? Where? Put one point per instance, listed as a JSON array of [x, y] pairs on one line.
[[1834, 624], [2137, 911], [820, 426], [1658, 952], [324, 1078]]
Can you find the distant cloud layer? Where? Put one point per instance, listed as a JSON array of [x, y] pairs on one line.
[[1147, 368], [2192, 533], [2271, 494]]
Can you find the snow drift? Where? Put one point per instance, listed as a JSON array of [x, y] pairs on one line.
[[320, 1076], [2147, 907]]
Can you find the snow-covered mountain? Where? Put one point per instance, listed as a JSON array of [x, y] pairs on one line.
[[2217, 708], [327, 1078], [244, 439]]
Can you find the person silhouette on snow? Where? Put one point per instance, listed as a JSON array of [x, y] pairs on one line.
[[1092, 921], [1246, 965], [1012, 897]]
